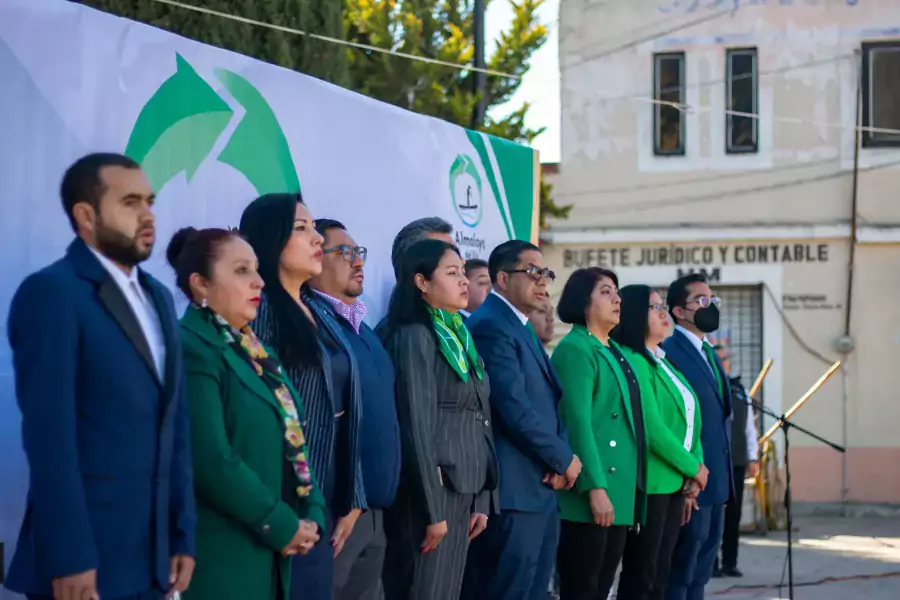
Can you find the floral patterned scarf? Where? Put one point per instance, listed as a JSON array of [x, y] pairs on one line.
[[248, 347]]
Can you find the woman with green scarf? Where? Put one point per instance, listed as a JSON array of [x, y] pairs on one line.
[[450, 472]]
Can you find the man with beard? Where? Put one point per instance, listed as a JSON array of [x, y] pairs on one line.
[[359, 540], [695, 311], [105, 426]]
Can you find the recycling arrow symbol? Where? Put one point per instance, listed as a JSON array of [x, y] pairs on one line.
[[180, 124]]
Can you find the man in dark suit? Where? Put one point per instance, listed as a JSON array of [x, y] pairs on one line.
[[695, 312], [513, 558], [360, 544], [99, 381]]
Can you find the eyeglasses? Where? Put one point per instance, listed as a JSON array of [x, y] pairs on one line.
[[348, 252], [659, 307], [704, 302], [536, 273]]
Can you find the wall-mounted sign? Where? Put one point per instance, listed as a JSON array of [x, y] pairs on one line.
[[809, 302], [695, 256]]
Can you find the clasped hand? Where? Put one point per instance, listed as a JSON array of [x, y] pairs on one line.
[[306, 537], [567, 480]]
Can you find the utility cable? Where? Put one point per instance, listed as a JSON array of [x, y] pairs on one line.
[[622, 189], [332, 40], [638, 41], [716, 196]]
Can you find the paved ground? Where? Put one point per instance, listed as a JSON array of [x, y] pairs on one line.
[[834, 559]]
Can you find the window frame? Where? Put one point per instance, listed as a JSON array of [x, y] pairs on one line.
[[657, 59], [866, 137], [730, 53]]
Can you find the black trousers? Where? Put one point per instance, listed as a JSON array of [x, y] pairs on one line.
[[587, 559], [648, 553], [733, 521]]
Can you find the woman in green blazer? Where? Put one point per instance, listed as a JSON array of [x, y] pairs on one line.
[[601, 408], [672, 414], [257, 500]]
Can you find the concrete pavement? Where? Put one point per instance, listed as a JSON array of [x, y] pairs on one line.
[[834, 559]]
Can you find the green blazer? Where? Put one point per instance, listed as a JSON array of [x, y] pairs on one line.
[[596, 409], [237, 443], [669, 463]]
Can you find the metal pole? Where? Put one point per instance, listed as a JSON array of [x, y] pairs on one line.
[[480, 79], [851, 267]]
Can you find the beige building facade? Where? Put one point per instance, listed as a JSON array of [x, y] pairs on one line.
[[719, 137]]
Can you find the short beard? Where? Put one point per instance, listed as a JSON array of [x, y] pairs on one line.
[[118, 247], [353, 293]]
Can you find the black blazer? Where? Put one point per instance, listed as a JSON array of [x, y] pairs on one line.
[[444, 424]]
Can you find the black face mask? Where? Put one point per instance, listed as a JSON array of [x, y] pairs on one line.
[[707, 319]]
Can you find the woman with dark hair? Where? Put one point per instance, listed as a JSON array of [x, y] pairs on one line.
[[601, 408], [320, 363], [450, 471], [672, 414], [257, 500]]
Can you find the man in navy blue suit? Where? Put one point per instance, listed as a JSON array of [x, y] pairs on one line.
[[513, 558], [99, 380], [695, 312]]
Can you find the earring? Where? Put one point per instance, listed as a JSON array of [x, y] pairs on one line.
[[204, 303]]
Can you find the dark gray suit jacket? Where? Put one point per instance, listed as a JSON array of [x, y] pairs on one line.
[[444, 424]]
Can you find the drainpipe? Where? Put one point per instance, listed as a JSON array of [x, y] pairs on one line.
[[846, 343]]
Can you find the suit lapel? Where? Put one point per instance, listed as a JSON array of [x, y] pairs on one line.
[[625, 392], [193, 321], [524, 334], [693, 354], [117, 305]]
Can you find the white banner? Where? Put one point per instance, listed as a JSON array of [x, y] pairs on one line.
[[213, 130]]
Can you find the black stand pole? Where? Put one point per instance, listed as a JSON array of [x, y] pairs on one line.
[[786, 426]]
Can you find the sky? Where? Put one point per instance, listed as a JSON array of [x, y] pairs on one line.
[[540, 85]]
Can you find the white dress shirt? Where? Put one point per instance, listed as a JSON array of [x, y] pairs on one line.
[[522, 316], [143, 309], [687, 396], [752, 433]]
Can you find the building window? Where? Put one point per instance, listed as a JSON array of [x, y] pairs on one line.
[[741, 96], [881, 93], [668, 120]]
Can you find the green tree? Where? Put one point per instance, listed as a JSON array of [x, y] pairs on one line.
[[320, 59], [438, 29], [444, 30]]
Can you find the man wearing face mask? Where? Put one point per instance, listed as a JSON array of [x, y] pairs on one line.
[[695, 311]]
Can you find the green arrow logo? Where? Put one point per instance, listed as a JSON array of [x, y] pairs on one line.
[[179, 126]]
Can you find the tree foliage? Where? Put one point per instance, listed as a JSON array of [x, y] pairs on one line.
[[318, 58], [436, 29]]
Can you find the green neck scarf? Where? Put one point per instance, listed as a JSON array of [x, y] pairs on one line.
[[456, 343]]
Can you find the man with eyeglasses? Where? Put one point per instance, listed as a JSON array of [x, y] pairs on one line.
[[695, 311], [513, 558], [360, 547]]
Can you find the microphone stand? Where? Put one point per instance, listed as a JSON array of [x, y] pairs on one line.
[[786, 425]]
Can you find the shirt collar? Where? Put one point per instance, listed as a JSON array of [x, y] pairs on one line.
[[659, 353], [692, 337], [522, 316], [121, 279], [352, 313]]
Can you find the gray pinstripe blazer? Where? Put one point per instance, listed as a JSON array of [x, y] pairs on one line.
[[444, 423], [315, 387]]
